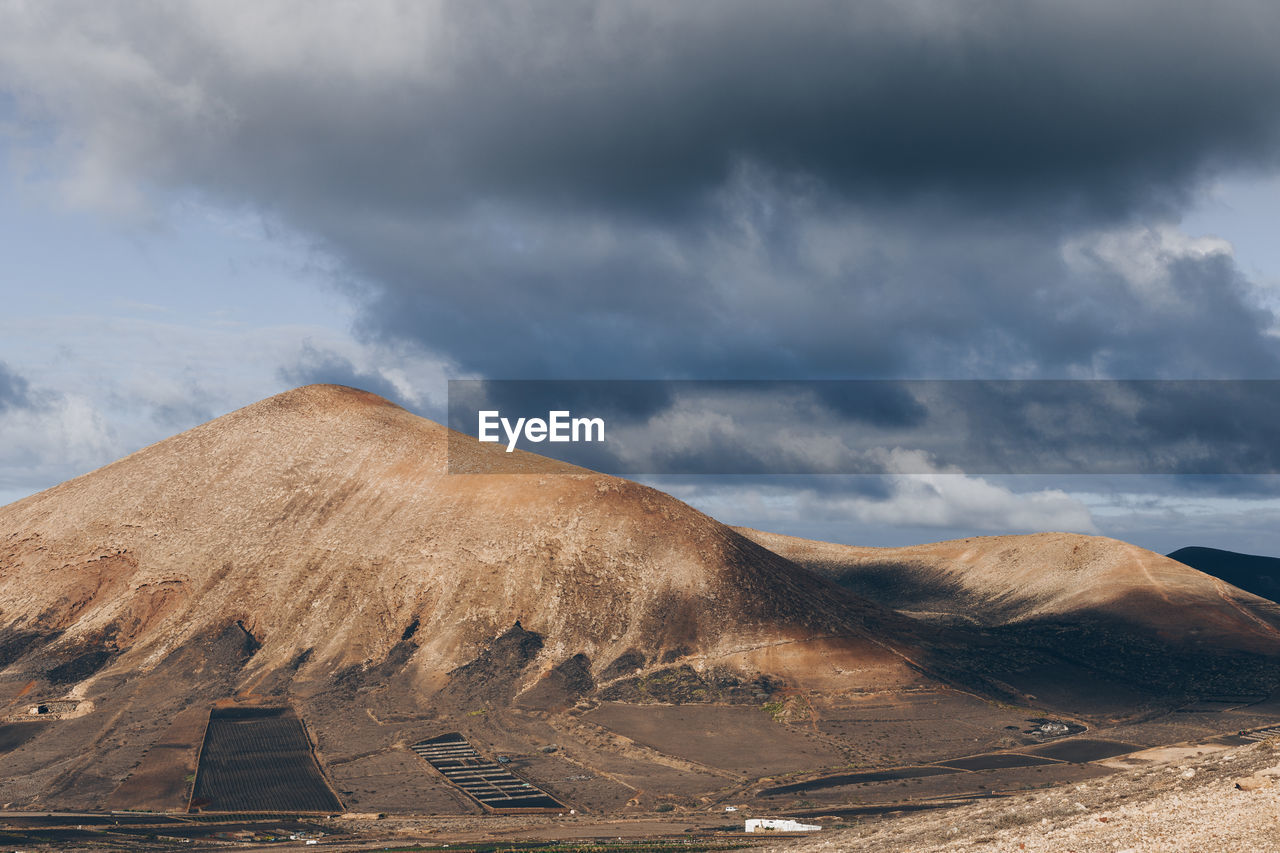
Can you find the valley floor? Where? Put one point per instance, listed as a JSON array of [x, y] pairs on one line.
[[1225, 800]]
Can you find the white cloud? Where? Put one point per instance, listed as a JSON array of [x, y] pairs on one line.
[[957, 501], [925, 496], [941, 499], [109, 386], [55, 438], [1143, 256]]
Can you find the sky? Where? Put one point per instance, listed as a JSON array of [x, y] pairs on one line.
[[206, 203]]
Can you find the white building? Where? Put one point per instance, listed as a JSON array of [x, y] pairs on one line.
[[757, 824]]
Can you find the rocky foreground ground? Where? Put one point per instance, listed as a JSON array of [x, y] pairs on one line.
[[1221, 801]]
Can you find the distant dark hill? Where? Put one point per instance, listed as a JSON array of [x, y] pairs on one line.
[[1258, 575]]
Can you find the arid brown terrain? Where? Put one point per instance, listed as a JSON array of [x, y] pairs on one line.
[[309, 559], [1190, 800], [1001, 580]]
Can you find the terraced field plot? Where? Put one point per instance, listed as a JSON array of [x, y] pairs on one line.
[[1084, 749], [1262, 734], [842, 779], [997, 761], [256, 760], [486, 782], [738, 738]]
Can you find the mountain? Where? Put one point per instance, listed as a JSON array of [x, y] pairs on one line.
[[1007, 580], [1258, 575], [1085, 623], [315, 545], [307, 573], [324, 522]]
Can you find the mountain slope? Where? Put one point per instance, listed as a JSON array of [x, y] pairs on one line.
[[1003, 580], [313, 551], [323, 523]]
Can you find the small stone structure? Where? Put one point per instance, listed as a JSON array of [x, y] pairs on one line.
[[52, 709]]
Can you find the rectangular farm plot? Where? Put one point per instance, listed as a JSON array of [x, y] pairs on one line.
[[997, 761], [259, 760], [1080, 750], [839, 780], [487, 782], [736, 738]]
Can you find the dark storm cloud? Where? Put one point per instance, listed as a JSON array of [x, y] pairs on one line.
[[878, 403], [816, 293], [1207, 428], [630, 402], [1156, 487], [650, 106], [1122, 427], [1103, 104], [724, 189], [15, 390]]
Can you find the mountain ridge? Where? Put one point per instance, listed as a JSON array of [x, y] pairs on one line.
[[324, 521], [1011, 579]]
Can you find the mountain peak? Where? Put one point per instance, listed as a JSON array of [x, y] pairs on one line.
[[327, 396], [323, 521]]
